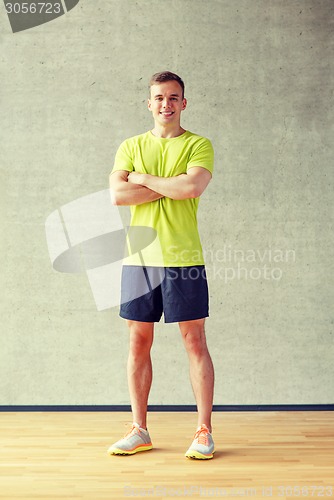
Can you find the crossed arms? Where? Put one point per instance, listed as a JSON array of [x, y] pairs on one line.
[[134, 188]]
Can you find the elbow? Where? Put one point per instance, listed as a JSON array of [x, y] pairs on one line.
[[195, 192], [114, 197]]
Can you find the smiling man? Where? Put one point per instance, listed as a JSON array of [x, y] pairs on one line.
[[161, 174]]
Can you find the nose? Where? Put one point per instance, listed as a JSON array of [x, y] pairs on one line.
[[165, 103]]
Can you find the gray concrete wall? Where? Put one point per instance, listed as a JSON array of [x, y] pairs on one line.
[[259, 84]]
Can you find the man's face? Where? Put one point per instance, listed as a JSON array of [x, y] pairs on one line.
[[166, 103]]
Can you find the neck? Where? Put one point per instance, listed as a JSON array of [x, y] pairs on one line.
[[167, 132]]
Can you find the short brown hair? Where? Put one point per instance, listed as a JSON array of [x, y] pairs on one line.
[[166, 76]]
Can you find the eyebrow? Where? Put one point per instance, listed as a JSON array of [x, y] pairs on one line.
[[172, 95]]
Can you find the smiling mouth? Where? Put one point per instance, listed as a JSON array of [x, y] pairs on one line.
[[167, 113]]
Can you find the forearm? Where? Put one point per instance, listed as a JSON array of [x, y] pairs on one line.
[[180, 187], [125, 193]]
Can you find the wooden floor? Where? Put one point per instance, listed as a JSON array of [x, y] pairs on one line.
[[258, 454]]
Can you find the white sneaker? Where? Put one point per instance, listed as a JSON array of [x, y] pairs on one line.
[[137, 439], [202, 446]]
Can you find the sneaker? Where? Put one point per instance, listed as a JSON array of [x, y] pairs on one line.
[[137, 439], [202, 446]]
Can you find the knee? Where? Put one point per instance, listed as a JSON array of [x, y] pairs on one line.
[[195, 343], [140, 340], [139, 346]]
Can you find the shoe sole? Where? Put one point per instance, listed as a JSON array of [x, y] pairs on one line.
[[197, 455], [119, 451]]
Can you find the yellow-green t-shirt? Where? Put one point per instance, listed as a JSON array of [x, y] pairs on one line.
[[175, 221]]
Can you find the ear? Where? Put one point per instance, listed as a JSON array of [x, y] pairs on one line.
[[184, 103], [149, 104]]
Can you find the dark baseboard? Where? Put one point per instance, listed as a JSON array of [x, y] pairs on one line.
[[171, 408]]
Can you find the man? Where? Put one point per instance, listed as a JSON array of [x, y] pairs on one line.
[[161, 175]]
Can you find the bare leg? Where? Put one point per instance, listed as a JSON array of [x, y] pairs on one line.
[[201, 368], [139, 368]]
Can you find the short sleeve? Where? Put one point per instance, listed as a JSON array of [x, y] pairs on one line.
[[123, 158], [202, 155]]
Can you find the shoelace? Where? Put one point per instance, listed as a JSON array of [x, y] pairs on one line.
[[202, 436], [132, 431]]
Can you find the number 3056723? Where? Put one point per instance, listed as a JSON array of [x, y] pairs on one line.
[[33, 8]]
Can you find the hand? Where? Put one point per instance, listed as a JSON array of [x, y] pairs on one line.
[[136, 178]]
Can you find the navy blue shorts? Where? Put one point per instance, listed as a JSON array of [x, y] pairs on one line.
[[180, 293]]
